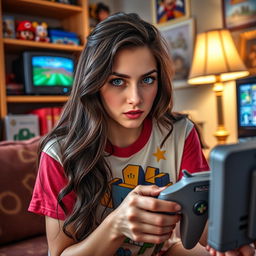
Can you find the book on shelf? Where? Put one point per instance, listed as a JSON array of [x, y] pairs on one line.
[[21, 127], [48, 117], [56, 111]]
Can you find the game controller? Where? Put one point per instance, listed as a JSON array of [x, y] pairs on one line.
[[191, 192]]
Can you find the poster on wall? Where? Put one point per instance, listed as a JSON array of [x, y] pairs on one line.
[[180, 40], [248, 50], [170, 11], [239, 14]]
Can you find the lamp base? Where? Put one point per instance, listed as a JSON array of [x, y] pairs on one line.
[[221, 135]]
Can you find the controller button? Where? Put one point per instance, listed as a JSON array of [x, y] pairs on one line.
[[200, 207]]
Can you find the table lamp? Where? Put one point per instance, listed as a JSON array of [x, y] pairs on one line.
[[215, 61]]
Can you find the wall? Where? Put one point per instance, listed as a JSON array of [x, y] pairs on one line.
[[200, 100]]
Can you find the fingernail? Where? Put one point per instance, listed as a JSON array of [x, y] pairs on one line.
[[177, 207]]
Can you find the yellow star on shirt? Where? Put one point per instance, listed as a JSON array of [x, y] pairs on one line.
[[159, 154]]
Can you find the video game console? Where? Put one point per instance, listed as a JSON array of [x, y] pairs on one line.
[[232, 208], [191, 192]]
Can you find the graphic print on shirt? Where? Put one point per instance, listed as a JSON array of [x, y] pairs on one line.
[[134, 175]]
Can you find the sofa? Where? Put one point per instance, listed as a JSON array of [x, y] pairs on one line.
[[21, 232]]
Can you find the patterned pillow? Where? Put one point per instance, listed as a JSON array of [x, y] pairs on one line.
[[18, 168]]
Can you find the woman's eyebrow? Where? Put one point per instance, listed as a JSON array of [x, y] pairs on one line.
[[150, 72], [126, 76]]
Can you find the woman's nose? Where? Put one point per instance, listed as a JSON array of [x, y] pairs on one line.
[[134, 95]]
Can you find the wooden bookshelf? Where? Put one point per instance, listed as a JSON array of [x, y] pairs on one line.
[[73, 18]]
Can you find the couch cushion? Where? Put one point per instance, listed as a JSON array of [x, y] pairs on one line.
[[35, 247], [17, 176]]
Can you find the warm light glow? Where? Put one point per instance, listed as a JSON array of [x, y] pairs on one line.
[[218, 87], [202, 80], [220, 132], [199, 56], [233, 75], [216, 59]]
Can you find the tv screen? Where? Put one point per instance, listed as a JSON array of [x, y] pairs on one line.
[[246, 107], [48, 73]]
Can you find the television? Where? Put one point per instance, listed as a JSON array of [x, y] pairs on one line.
[[246, 107], [47, 73], [232, 200]]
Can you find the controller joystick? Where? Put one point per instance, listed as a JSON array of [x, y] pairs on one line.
[[191, 192]]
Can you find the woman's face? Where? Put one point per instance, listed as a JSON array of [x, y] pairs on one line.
[[130, 90]]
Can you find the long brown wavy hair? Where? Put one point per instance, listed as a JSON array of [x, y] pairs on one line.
[[83, 123]]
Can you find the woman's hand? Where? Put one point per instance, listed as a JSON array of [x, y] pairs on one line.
[[143, 218], [246, 250]]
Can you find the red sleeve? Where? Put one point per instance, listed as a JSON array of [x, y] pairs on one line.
[[193, 159], [49, 182]]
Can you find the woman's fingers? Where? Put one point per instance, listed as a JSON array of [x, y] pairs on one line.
[[232, 253], [158, 219], [143, 198], [247, 250], [150, 190], [151, 238], [152, 229]]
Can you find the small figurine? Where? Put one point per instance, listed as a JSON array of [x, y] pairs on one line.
[[41, 33], [98, 12], [25, 30], [102, 12]]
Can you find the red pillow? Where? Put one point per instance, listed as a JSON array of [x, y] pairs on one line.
[[18, 168]]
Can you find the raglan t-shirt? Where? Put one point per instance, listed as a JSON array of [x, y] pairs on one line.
[[145, 162]]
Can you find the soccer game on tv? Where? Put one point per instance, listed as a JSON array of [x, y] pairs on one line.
[[52, 71]]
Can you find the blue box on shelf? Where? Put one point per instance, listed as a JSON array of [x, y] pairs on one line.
[[63, 37]]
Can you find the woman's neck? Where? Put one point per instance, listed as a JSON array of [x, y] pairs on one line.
[[123, 137]]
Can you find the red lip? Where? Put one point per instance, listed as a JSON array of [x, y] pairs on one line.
[[133, 114]]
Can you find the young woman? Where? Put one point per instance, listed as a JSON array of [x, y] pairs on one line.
[[116, 147]]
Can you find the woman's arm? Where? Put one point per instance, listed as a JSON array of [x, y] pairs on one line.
[[101, 242], [138, 217]]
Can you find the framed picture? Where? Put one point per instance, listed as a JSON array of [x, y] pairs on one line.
[[248, 50], [239, 14], [180, 39], [165, 12], [8, 26]]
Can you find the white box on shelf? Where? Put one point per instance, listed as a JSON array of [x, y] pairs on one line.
[[21, 127]]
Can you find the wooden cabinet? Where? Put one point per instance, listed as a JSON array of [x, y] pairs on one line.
[[73, 18]]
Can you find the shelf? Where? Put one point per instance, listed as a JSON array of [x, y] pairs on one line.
[[41, 8], [35, 99], [16, 45]]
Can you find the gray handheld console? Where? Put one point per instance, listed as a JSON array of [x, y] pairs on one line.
[[191, 192], [232, 214]]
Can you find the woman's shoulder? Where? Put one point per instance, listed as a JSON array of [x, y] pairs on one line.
[[53, 148], [184, 124]]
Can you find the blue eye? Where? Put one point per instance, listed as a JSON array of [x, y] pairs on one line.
[[117, 82], [148, 80]]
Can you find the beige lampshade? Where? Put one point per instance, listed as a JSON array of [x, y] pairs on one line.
[[216, 58]]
